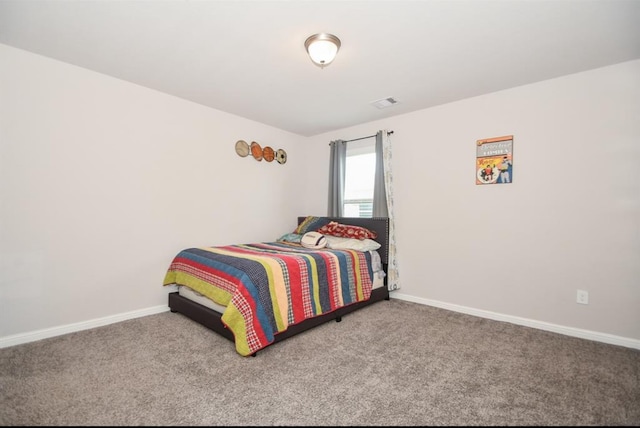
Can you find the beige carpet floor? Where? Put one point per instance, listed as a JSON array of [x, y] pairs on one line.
[[393, 363]]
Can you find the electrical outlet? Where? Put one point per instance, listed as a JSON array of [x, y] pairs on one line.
[[582, 297]]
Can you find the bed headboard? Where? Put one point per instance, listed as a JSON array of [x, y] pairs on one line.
[[380, 225]]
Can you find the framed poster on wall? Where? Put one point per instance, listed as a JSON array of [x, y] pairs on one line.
[[494, 160]]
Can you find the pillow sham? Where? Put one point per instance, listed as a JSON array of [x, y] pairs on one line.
[[313, 240], [347, 231], [338, 243], [311, 224], [290, 237]]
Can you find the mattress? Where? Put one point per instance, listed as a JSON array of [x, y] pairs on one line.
[[193, 295]]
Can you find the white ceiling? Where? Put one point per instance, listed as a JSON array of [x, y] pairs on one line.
[[248, 58]]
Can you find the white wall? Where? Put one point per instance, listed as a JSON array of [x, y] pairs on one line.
[[570, 220], [102, 182]]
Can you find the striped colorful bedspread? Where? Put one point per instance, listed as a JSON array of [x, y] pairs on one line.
[[266, 287]]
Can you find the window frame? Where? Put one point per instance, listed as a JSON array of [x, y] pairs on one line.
[[365, 205]]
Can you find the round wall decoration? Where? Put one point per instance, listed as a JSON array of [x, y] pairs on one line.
[[256, 151], [281, 156], [268, 154], [242, 148]]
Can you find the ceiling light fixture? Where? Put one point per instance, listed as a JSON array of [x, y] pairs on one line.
[[322, 48]]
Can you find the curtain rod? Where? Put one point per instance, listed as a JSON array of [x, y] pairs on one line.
[[370, 136]]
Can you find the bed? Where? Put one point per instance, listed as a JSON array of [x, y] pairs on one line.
[[259, 294]]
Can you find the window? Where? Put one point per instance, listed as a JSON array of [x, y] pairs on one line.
[[359, 178]]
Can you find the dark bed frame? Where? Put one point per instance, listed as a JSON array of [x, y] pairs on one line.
[[213, 319]]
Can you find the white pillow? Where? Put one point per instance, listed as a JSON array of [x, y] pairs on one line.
[[313, 240], [340, 243]]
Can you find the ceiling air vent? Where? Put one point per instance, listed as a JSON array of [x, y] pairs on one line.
[[384, 102]]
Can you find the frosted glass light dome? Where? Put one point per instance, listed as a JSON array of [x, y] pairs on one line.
[[322, 48]]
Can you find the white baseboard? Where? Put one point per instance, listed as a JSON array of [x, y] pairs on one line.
[[18, 339], [568, 331]]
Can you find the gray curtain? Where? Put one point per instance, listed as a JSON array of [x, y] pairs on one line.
[[337, 168], [380, 208]]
